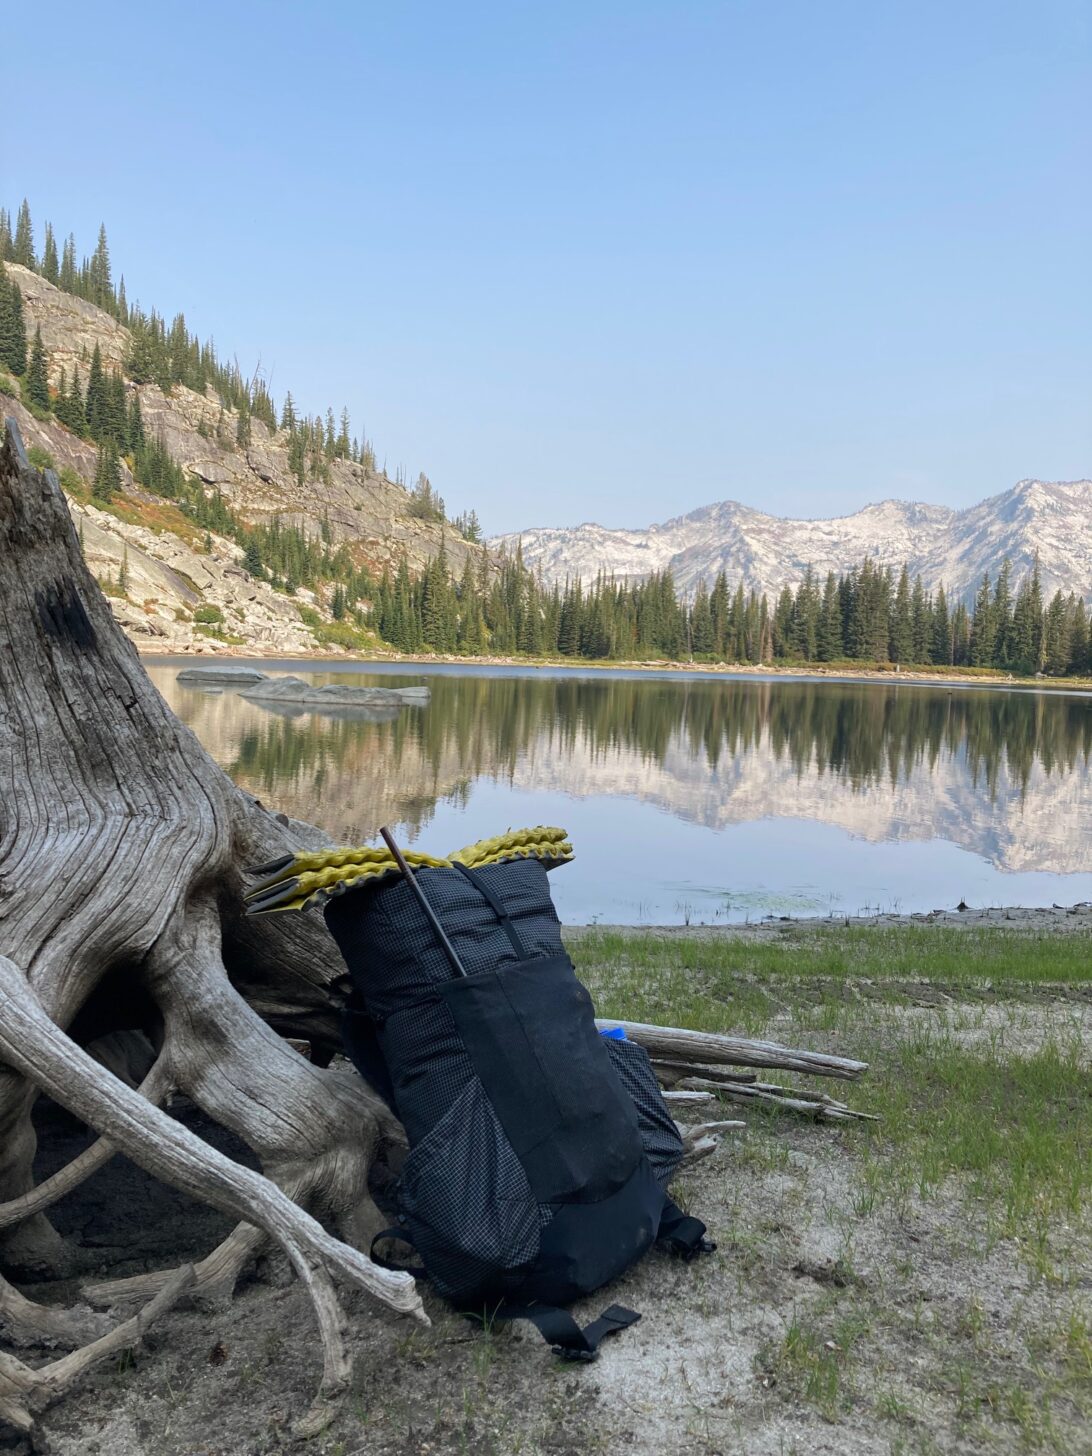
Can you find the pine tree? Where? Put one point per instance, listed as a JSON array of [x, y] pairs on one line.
[[96, 405], [1056, 636], [961, 635], [1027, 623], [1002, 616], [782, 623], [99, 283], [116, 417], [983, 627], [702, 639], [23, 251], [123, 574], [940, 646], [13, 334], [107, 473], [36, 388], [921, 622], [901, 636], [134, 432], [51, 267], [242, 423], [829, 644], [7, 248], [1079, 660], [67, 280]]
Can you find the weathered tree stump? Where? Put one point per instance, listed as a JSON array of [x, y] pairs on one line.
[[122, 847]]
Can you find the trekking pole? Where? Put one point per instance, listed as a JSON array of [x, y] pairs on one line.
[[441, 934]]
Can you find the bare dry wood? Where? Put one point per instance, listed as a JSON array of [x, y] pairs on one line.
[[122, 848], [674, 1044], [816, 1105]]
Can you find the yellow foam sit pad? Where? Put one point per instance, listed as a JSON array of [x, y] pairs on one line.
[[299, 880]]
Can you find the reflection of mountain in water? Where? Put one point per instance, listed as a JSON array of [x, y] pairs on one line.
[[1003, 774]]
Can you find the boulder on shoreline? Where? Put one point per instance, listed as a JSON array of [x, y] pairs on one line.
[[294, 692]]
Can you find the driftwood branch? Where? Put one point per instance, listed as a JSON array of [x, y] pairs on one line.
[[673, 1044]]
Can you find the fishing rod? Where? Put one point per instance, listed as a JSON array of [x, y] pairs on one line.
[[422, 899]]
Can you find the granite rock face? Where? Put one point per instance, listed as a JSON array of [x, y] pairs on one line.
[[170, 576]]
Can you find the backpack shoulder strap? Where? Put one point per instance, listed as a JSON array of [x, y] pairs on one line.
[[562, 1333], [682, 1234], [497, 906]]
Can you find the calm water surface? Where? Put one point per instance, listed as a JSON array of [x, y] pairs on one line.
[[692, 798]]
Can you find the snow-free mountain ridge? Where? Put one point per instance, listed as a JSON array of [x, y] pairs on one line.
[[946, 547]]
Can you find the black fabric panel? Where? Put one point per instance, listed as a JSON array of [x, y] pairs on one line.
[[530, 1032], [588, 1244], [361, 1042]]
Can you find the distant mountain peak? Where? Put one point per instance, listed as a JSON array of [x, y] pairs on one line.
[[945, 546]]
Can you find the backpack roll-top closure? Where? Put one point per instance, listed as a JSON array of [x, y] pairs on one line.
[[529, 1030]]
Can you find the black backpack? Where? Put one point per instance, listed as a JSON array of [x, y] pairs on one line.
[[540, 1150]]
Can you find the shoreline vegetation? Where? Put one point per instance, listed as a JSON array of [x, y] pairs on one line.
[[1012, 921], [847, 670]]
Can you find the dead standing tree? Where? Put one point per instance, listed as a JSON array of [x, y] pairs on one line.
[[122, 847]]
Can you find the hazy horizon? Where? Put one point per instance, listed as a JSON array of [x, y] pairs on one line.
[[606, 263]]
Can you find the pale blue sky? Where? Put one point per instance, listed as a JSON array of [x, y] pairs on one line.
[[604, 260]]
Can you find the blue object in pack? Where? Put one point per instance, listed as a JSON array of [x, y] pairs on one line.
[[615, 1033]]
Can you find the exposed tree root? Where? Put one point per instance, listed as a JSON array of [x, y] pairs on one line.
[[25, 1393], [121, 846]]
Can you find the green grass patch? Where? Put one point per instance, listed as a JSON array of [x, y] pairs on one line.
[[990, 1096], [40, 458], [1016, 1129], [945, 954]]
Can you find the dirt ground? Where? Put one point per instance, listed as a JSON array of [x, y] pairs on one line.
[[831, 1319]]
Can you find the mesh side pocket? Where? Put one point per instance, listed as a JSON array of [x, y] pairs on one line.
[[466, 1200], [662, 1143]]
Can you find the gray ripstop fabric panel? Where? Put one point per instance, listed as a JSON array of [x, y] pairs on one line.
[[382, 930], [662, 1142], [466, 1200]]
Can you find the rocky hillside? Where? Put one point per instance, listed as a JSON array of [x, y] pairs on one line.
[[947, 547], [180, 595]]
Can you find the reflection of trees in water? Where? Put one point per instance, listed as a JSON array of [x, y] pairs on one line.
[[861, 734]]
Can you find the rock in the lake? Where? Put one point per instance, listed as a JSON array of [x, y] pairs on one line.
[[293, 691], [223, 673]]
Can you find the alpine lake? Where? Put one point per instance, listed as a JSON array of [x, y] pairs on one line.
[[690, 798]]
